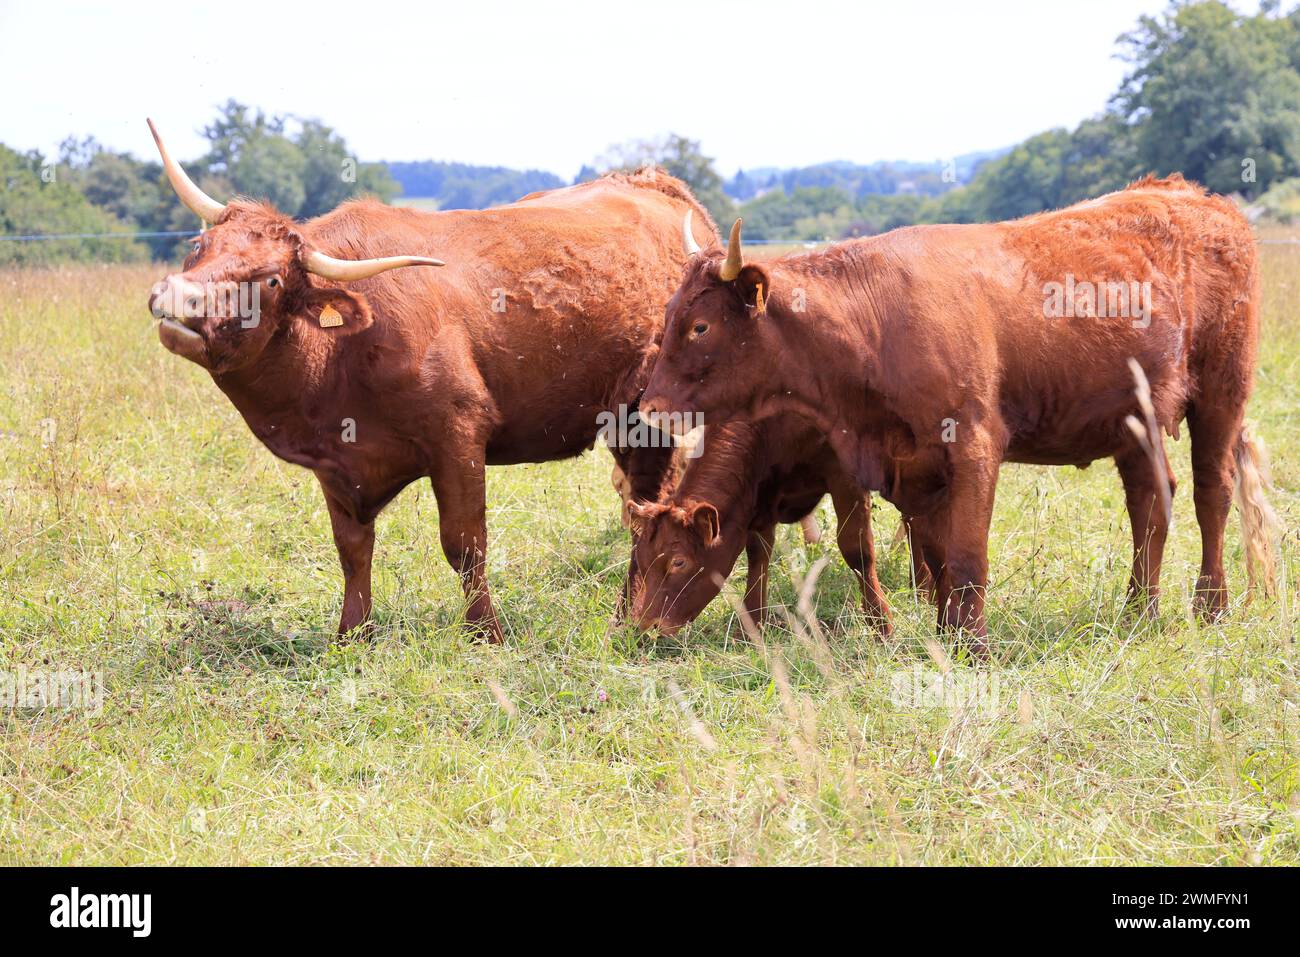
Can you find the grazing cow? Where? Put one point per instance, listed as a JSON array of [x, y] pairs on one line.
[[374, 375], [749, 477], [930, 355]]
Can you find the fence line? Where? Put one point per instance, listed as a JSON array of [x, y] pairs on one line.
[[143, 235], [190, 232]]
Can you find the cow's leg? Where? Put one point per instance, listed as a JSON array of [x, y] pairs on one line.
[[462, 528], [1214, 432], [973, 484], [355, 542], [758, 555], [854, 538], [1146, 513], [644, 471], [926, 549]]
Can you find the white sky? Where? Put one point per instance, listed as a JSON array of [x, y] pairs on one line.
[[552, 84]]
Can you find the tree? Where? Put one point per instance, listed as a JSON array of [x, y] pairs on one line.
[[132, 191], [332, 175], [1215, 95], [33, 200], [681, 157], [808, 213], [300, 165]]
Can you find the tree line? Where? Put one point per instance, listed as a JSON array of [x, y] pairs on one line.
[[1209, 92], [301, 165]]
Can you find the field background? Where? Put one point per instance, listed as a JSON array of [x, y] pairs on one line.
[[154, 539]]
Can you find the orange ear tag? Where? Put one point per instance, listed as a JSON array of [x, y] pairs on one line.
[[759, 304], [330, 317]]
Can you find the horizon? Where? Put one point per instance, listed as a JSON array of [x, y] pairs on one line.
[[932, 115]]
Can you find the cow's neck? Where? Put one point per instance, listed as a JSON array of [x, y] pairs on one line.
[[284, 397], [832, 375], [825, 360], [726, 475]]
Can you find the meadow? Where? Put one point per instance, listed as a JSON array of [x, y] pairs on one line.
[[145, 534]]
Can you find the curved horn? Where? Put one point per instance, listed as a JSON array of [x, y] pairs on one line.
[[346, 270], [198, 202], [688, 239], [731, 265]]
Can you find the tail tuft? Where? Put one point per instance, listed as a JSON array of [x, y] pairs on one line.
[[1259, 523]]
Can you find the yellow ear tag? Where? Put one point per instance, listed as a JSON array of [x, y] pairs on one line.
[[330, 317], [759, 304]]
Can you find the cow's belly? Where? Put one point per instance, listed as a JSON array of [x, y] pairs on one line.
[[1075, 433], [561, 435]]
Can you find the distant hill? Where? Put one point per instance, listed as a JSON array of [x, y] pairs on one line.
[[439, 185], [462, 186], [880, 178]]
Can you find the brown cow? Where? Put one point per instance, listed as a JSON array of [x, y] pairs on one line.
[[547, 315], [749, 477], [930, 355]]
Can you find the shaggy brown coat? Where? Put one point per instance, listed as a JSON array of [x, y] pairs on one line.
[[548, 312], [748, 478], [927, 357]]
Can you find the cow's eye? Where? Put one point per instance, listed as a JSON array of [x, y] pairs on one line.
[[700, 328], [273, 282], [677, 564]]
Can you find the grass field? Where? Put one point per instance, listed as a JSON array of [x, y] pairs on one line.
[[146, 534]]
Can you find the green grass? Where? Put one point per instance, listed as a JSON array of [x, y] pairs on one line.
[[154, 539]]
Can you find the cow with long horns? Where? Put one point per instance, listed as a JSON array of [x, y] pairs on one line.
[[930, 355], [374, 373]]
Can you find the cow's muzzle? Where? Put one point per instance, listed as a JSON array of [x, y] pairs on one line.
[[657, 414], [178, 305]]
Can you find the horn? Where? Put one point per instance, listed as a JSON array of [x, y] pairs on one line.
[[346, 270], [198, 202], [731, 265], [688, 240]]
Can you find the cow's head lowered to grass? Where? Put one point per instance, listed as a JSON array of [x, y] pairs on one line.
[[719, 346], [682, 557], [251, 273]]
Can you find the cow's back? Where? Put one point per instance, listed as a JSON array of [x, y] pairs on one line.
[[548, 311], [1169, 269]]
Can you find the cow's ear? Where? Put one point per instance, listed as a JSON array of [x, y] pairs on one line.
[[704, 519], [754, 286], [337, 311], [639, 514]]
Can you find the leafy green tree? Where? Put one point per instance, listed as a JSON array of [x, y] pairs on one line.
[[35, 201], [271, 168], [132, 191], [1215, 95], [304, 173], [683, 158], [808, 213], [332, 175]]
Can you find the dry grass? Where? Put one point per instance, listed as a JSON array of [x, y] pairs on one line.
[[156, 540]]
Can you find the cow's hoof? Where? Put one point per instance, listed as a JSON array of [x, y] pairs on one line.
[[353, 634]]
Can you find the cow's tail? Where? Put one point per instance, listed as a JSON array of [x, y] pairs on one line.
[[1259, 523]]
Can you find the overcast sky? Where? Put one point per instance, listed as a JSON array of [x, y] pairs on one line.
[[552, 84]]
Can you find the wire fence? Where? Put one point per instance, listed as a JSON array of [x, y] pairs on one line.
[[1290, 241], [140, 235]]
